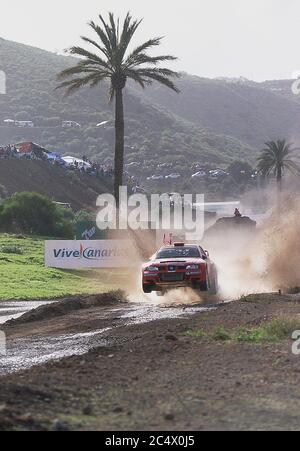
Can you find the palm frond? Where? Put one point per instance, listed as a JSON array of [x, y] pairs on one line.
[[95, 44], [103, 38], [148, 72], [81, 52], [142, 49], [292, 166], [143, 58], [76, 84], [162, 75], [138, 78], [129, 28], [110, 31], [82, 68]]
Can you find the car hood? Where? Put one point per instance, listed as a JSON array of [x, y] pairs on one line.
[[177, 262]]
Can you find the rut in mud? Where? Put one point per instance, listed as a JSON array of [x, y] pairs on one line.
[[76, 325], [153, 375]]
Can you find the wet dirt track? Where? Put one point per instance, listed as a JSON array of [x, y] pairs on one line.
[[143, 372], [77, 333]]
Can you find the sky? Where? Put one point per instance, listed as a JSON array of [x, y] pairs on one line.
[[256, 39]]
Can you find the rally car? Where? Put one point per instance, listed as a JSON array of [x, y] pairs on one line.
[[180, 265]]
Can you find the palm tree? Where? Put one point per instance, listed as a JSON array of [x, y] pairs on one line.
[[111, 60], [276, 158]]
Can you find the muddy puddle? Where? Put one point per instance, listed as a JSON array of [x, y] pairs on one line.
[[14, 309], [24, 353]]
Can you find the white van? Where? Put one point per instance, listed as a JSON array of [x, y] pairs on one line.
[[24, 124], [29, 124], [70, 124]]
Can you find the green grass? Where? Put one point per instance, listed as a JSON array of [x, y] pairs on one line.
[[277, 330], [24, 276], [250, 298]]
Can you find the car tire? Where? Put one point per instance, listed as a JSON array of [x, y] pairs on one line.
[[147, 289], [214, 286], [203, 286]]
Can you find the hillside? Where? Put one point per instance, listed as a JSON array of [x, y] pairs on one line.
[[211, 121], [250, 112], [79, 190], [152, 132]]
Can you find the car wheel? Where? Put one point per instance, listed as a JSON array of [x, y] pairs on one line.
[[147, 289], [203, 286], [214, 286]]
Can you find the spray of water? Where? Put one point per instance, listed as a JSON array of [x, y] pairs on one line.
[[258, 262], [265, 261]]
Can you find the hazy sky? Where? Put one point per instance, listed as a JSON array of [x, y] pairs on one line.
[[257, 39]]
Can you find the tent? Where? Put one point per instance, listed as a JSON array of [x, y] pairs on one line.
[[71, 161], [27, 148], [54, 156]]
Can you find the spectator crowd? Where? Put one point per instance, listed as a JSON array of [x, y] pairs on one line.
[[32, 151]]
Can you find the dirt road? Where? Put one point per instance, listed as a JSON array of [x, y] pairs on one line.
[[133, 367]]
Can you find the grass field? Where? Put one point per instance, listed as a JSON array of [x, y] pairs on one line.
[[24, 276], [272, 331]]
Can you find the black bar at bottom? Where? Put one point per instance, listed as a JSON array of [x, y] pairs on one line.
[[150, 440]]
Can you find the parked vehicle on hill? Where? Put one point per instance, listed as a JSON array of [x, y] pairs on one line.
[[24, 124], [9, 122], [155, 177], [173, 176], [134, 164], [217, 173], [105, 124], [199, 174]]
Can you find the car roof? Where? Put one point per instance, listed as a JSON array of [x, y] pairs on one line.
[[176, 246]]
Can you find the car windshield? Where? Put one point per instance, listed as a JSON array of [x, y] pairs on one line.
[[179, 252]]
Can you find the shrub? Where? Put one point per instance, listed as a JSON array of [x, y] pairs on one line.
[[11, 250], [221, 334], [33, 213]]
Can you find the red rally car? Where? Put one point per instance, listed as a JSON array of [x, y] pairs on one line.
[[180, 265]]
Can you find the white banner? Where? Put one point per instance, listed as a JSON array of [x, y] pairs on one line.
[[88, 254]]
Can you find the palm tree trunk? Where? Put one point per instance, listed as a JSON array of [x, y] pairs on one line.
[[119, 144], [279, 188], [279, 179]]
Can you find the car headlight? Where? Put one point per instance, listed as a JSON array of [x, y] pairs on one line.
[[192, 268], [152, 269]]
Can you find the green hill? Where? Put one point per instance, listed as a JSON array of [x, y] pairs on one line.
[[250, 112], [211, 121], [77, 189], [152, 133]]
